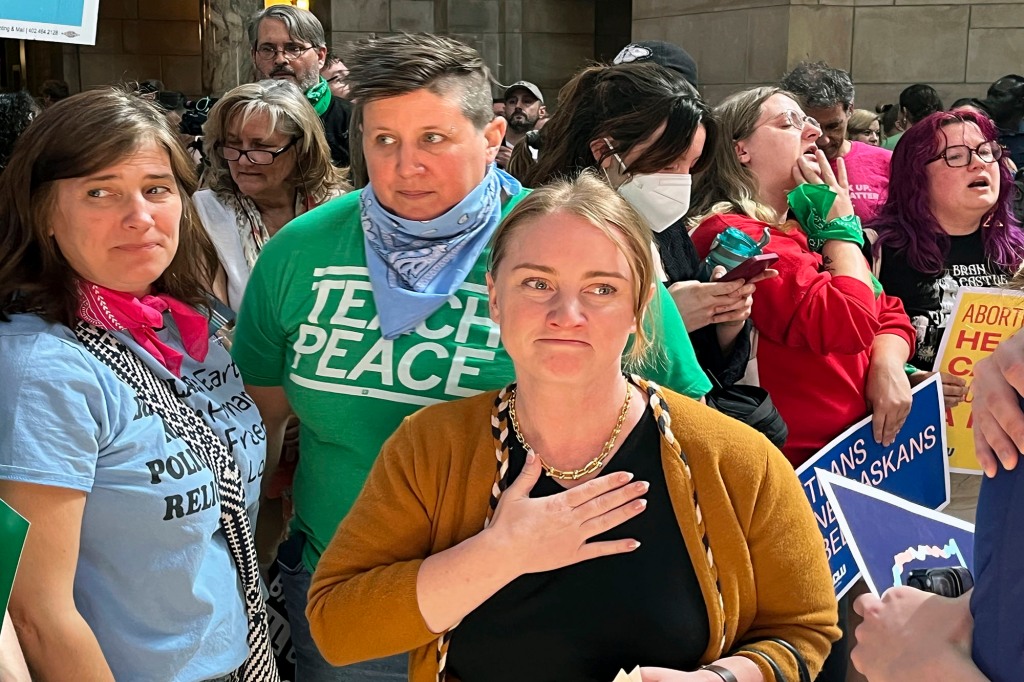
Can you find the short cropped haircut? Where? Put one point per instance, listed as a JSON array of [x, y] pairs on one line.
[[819, 86], [589, 197], [920, 100], [301, 25], [397, 65]]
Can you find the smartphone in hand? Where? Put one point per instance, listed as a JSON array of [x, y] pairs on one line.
[[750, 268]]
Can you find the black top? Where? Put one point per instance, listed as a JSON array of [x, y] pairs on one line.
[[585, 622], [335, 121], [681, 263], [928, 299], [679, 255]]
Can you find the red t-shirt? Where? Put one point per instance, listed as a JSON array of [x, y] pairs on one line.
[[867, 168], [815, 333]]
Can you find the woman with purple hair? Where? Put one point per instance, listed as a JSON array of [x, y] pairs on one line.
[[947, 223]]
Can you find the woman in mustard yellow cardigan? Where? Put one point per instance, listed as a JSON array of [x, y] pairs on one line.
[[580, 521]]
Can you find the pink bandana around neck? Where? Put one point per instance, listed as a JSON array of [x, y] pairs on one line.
[[118, 311]]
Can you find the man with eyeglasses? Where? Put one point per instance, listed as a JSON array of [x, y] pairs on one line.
[[288, 43], [826, 94]]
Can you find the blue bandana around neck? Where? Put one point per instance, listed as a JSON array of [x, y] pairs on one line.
[[415, 265]]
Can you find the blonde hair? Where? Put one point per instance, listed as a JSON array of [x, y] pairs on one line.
[[290, 113], [860, 122], [590, 198], [727, 185]]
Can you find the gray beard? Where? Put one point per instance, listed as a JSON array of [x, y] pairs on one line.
[[307, 84]]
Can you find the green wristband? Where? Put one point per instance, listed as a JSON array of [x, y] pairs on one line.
[[810, 205], [844, 228]]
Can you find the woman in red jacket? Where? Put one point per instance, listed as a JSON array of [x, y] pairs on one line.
[[829, 348]]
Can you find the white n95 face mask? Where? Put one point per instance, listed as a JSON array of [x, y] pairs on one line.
[[661, 198]]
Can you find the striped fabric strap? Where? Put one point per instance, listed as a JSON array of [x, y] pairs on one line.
[[182, 421]]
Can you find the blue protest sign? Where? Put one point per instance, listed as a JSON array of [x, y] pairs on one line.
[[889, 537], [64, 21], [914, 468]]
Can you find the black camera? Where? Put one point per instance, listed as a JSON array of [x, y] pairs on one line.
[[946, 582], [196, 113]]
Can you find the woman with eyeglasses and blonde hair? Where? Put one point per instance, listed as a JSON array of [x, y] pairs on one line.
[[829, 348], [269, 162]]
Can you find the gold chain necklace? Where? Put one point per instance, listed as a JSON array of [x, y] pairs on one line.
[[591, 466]]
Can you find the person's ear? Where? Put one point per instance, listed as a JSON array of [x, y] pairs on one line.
[[602, 149], [741, 151], [494, 134], [492, 300], [321, 57], [542, 112]]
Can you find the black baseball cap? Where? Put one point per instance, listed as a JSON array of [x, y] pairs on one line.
[[661, 53]]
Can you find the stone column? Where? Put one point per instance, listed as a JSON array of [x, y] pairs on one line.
[[227, 59]]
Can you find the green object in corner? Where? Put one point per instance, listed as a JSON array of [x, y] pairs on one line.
[[13, 530]]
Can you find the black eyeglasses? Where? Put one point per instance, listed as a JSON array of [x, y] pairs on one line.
[[959, 155], [290, 51], [257, 157]]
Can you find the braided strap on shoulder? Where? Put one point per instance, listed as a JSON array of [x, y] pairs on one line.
[[500, 433], [657, 402]]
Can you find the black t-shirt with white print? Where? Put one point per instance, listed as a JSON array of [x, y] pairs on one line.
[[928, 299]]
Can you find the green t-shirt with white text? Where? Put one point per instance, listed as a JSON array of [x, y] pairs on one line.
[[309, 323]]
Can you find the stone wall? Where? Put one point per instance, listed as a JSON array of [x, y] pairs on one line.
[[139, 39], [543, 41], [199, 47], [958, 46]]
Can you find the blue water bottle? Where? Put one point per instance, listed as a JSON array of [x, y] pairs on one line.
[[732, 246]]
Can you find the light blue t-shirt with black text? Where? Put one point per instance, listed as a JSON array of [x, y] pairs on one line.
[[155, 580]]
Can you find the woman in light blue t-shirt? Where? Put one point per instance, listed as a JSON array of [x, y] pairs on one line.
[[126, 437]]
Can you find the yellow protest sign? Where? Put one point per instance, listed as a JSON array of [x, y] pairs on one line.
[[981, 318]]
